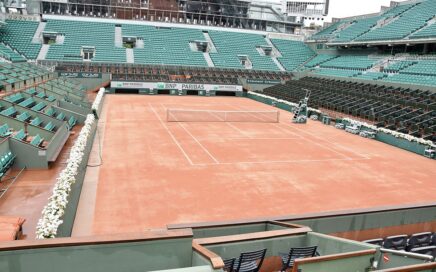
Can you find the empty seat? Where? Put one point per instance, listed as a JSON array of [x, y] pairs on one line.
[[5, 131], [6, 161], [228, 264], [296, 253], [428, 250], [49, 126], [20, 135], [36, 122], [71, 122], [250, 261], [24, 116], [38, 107], [397, 242], [378, 241], [422, 239], [61, 116], [11, 111], [37, 140], [50, 112]]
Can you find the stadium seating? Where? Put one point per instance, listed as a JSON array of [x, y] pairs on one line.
[[337, 72], [294, 53], [318, 59], [231, 44], [405, 110], [36, 140], [356, 29], [11, 111], [20, 135], [50, 126], [24, 116], [38, 107], [6, 161], [327, 32], [421, 243], [18, 34], [372, 75], [408, 22], [166, 45], [349, 62], [5, 131], [72, 122], [78, 34], [36, 122], [9, 54]]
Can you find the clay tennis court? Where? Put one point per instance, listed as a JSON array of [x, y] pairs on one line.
[[155, 172]]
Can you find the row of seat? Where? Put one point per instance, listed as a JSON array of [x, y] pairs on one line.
[[6, 161], [252, 261], [406, 242], [408, 111], [33, 140]]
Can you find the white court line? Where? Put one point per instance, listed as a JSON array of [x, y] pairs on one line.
[[240, 131], [171, 134], [306, 139], [271, 162], [274, 124], [336, 144], [195, 139]]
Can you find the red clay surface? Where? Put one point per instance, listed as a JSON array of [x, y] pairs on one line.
[[28, 195], [156, 173]]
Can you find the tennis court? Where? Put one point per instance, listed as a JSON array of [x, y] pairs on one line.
[[156, 172]]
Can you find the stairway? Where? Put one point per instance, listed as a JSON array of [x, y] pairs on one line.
[[275, 54], [43, 52], [208, 60], [118, 37], [212, 48], [130, 57], [37, 37]]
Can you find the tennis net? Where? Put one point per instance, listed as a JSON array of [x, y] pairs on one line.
[[184, 115]]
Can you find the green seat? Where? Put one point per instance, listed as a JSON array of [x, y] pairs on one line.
[[37, 140], [21, 135], [41, 95], [49, 126], [51, 98], [38, 107], [9, 111], [15, 98], [36, 122], [31, 91], [27, 103], [71, 122], [6, 161], [24, 116], [5, 131], [50, 112], [61, 116]]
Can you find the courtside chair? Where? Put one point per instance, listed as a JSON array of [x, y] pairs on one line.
[[397, 242], [228, 264], [296, 253], [249, 261]]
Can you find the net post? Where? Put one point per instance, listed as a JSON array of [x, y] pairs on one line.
[[168, 114], [278, 116]]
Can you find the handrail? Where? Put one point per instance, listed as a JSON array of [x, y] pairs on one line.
[[151, 235], [410, 268], [252, 236], [332, 257], [408, 254], [214, 259]]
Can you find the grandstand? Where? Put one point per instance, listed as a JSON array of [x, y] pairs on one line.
[[133, 138]]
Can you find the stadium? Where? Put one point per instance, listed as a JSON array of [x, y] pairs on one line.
[[231, 135]]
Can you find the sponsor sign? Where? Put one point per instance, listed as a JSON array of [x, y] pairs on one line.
[[80, 75], [263, 81], [175, 86]]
